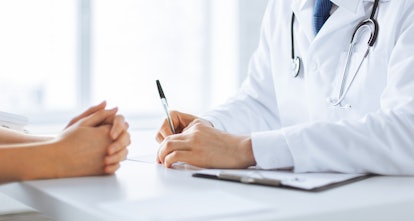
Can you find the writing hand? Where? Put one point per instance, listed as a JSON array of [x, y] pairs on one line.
[[204, 146], [181, 121]]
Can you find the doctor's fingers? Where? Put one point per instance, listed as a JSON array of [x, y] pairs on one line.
[[171, 145], [165, 129], [119, 144], [179, 120], [197, 123], [163, 132], [179, 156]]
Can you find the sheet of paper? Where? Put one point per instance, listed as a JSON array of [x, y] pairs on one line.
[[145, 158], [150, 158], [305, 181], [205, 205]]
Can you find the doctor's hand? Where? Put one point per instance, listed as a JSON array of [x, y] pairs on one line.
[[181, 121], [203, 146]]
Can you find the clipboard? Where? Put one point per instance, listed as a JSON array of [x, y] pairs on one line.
[[314, 182]]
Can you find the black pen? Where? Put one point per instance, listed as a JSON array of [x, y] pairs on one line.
[[165, 105]]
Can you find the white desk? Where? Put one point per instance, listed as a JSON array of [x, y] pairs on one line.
[[377, 198]]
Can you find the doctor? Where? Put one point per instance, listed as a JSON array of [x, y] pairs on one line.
[[313, 101]]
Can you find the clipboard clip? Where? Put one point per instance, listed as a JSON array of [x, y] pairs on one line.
[[248, 179]]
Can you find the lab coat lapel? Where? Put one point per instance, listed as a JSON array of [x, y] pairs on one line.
[[342, 17], [348, 12], [303, 10]]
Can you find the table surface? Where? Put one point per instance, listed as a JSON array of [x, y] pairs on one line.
[[95, 198]]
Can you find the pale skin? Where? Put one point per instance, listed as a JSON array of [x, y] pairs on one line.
[[198, 143], [93, 143]]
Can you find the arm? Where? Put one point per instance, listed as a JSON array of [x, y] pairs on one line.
[[197, 143], [202, 145], [8, 136], [382, 141], [72, 153], [26, 161]]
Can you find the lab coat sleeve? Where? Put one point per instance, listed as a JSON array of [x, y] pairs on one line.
[[271, 150], [254, 108], [382, 142]]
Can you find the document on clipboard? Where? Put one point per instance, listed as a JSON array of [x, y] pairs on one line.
[[277, 178]]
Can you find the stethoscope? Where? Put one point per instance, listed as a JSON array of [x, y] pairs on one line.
[[372, 25]]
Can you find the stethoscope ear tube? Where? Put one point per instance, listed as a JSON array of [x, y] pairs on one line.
[[374, 32], [371, 20]]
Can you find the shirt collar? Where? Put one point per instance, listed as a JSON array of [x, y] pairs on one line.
[[350, 5]]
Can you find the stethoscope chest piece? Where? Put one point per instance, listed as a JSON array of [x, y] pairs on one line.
[[295, 66]]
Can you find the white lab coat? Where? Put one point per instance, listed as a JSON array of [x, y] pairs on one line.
[[289, 119]]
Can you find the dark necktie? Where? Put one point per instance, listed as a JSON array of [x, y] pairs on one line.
[[321, 14]]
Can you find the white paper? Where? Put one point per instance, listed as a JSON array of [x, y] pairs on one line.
[[144, 158], [204, 205]]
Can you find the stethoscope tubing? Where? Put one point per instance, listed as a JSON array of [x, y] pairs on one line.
[[343, 89], [296, 60]]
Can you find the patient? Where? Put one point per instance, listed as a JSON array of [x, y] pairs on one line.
[[93, 143]]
